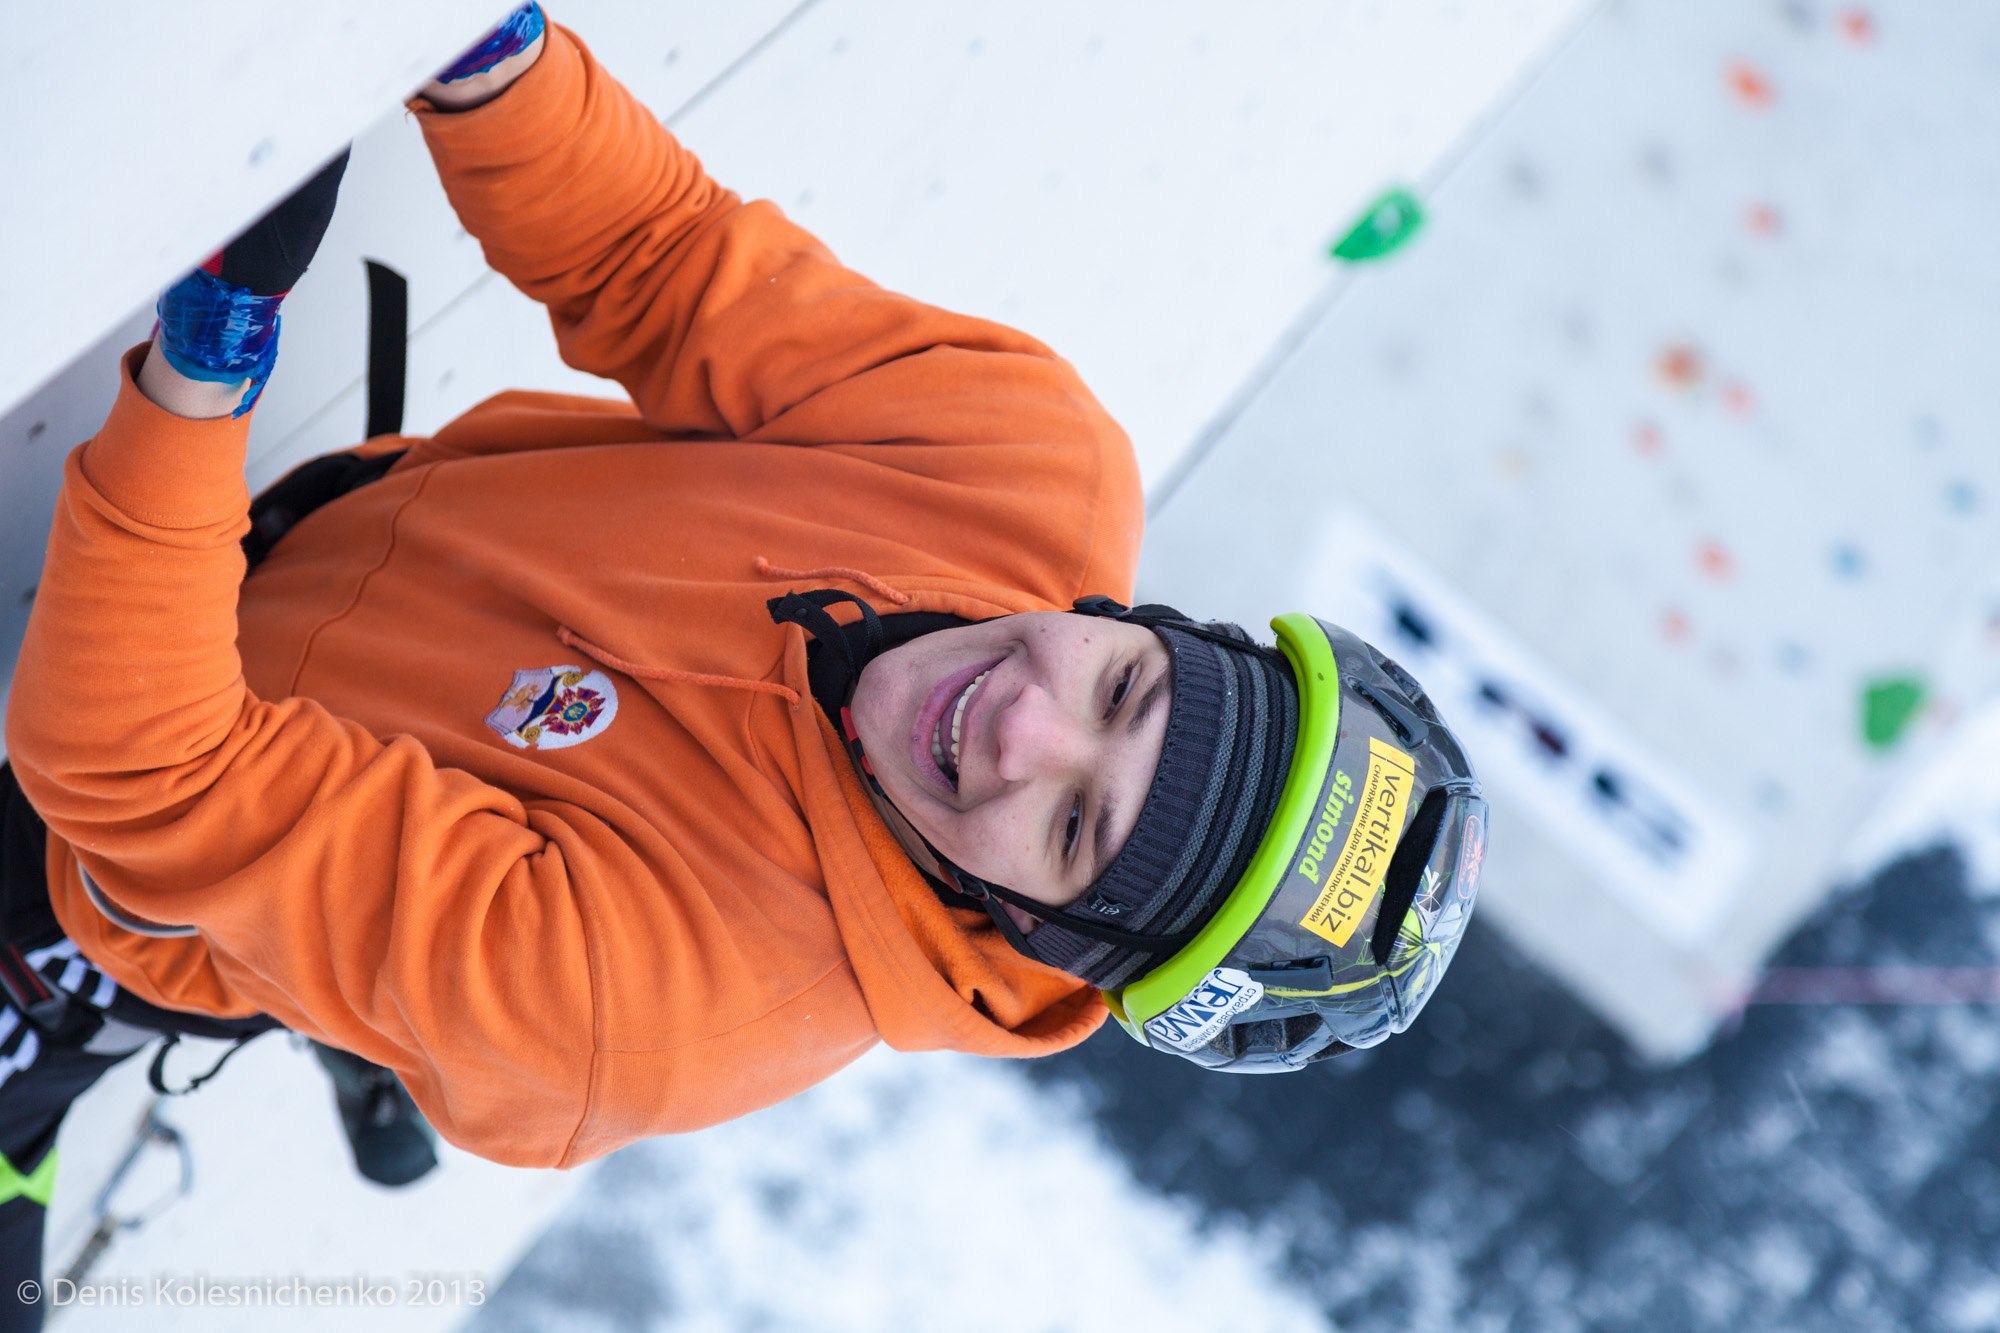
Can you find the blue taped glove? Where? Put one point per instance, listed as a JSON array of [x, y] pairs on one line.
[[515, 34], [220, 323]]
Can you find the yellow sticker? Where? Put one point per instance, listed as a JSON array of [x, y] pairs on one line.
[[1356, 877]]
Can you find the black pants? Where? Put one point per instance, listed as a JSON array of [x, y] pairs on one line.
[[76, 1024]]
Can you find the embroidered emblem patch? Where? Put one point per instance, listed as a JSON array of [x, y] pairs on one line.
[[554, 707]]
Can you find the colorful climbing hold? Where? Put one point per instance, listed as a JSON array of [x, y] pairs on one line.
[[1674, 625], [1680, 366], [1848, 561], [1737, 400], [1888, 705], [1858, 26], [1647, 440], [1716, 562], [1385, 228], [1751, 85], [1961, 496], [1762, 220]]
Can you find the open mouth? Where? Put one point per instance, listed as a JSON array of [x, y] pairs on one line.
[[950, 726]]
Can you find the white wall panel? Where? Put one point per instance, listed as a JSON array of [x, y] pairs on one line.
[[137, 137]]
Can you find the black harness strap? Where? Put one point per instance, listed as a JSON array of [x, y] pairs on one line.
[[388, 347], [157, 1073]]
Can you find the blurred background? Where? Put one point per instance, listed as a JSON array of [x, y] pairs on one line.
[[1617, 365]]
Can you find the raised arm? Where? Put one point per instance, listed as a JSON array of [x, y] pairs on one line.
[[348, 886], [722, 318]]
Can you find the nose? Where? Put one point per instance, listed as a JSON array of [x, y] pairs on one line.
[[1035, 737]]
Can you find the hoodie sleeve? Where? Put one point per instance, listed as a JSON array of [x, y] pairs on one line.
[[349, 887], [722, 318]]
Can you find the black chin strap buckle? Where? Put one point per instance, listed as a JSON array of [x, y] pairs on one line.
[[968, 886], [808, 610]]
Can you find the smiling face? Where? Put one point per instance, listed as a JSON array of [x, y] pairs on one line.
[[1022, 747]]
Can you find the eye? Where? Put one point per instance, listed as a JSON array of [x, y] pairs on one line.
[[1073, 827], [1122, 689]]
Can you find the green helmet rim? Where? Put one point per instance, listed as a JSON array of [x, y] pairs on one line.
[[1310, 654]]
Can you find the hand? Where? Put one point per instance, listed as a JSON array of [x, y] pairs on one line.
[[218, 329], [489, 68]]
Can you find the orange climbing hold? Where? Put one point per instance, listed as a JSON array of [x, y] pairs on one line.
[[1762, 220], [1858, 26], [1716, 562], [1737, 399], [1751, 85], [1680, 365]]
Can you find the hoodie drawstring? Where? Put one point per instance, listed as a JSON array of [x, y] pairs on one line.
[[603, 657], [861, 576]]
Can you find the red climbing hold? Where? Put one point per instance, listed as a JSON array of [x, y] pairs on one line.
[[1716, 562], [1858, 26], [1762, 220], [1751, 85], [1737, 399], [1680, 365]]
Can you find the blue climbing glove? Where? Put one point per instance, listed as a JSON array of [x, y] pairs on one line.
[[220, 323], [516, 33]]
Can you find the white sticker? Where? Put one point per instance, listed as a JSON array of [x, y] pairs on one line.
[[1204, 1011]]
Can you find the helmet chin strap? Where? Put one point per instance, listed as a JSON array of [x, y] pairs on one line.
[[954, 882]]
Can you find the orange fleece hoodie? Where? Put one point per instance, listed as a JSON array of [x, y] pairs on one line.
[[646, 892]]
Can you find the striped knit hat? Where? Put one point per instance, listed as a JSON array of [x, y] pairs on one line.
[[1231, 727]]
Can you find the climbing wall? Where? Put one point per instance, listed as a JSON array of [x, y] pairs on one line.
[[1663, 450], [1147, 192], [138, 136], [1148, 189]]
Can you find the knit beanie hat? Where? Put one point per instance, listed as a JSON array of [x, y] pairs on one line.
[[1231, 727]]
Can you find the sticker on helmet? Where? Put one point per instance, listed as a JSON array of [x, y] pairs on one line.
[[1204, 1011], [1354, 879]]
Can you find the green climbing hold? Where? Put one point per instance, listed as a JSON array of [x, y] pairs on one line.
[[38, 1186], [1888, 706], [1384, 229]]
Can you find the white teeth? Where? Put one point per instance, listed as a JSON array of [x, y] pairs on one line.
[[938, 748], [958, 714]]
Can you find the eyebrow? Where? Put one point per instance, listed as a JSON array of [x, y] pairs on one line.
[[1107, 805]]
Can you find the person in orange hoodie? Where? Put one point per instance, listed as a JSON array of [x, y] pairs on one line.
[[610, 769]]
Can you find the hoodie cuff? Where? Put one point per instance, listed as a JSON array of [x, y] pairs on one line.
[[519, 124], [164, 470]]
